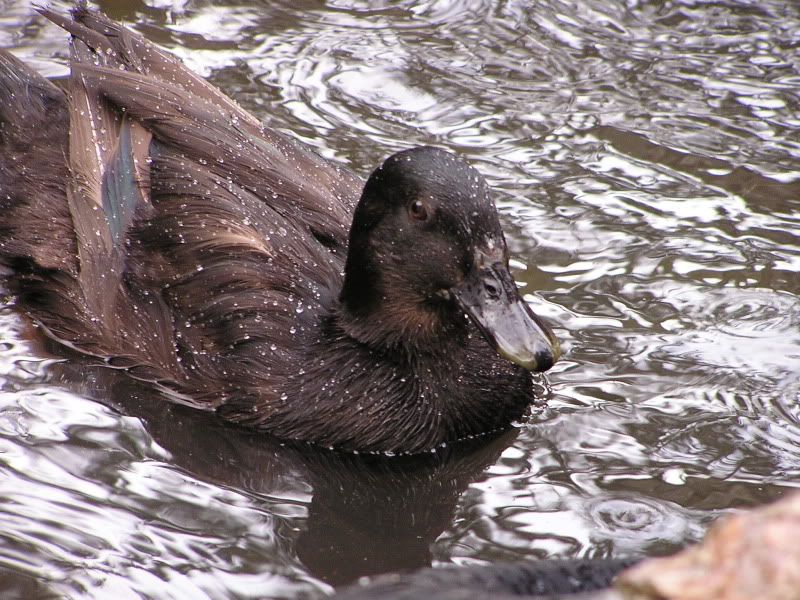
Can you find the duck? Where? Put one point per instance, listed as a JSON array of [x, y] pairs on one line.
[[150, 224]]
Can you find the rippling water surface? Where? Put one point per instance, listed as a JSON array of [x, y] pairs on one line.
[[646, 162]]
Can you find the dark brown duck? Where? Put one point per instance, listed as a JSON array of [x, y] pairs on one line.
[[147, 220]]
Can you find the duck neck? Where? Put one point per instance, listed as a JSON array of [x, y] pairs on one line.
[[397, 320], [400, 329]]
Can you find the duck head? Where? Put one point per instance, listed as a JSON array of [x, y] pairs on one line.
[[426, 248]]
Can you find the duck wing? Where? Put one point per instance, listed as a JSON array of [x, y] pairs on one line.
[[183, 109], [198, 242]]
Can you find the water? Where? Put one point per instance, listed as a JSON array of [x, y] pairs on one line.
[[645, 160]]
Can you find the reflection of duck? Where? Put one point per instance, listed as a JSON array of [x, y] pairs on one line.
[[366, 514], [168, 233]]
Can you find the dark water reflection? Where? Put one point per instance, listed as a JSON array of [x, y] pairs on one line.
[[645, 157]]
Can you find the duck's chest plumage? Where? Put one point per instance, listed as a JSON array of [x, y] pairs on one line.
[[354, 397]]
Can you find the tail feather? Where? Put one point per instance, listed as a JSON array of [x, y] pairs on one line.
[[119, 47]]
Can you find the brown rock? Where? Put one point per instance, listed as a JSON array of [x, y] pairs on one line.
[[747, 556]]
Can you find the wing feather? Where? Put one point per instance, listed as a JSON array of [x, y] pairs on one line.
[[204, 241]]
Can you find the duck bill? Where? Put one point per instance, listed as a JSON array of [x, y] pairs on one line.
[[490, 297]]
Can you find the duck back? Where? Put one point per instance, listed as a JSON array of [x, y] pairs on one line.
[[153, 223]]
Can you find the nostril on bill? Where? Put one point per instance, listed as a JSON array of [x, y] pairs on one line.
[[544, 360]]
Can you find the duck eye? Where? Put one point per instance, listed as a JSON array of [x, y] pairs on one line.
[[418, 210]]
